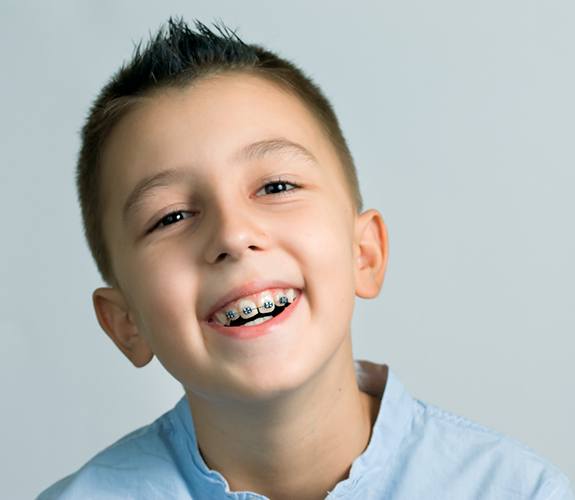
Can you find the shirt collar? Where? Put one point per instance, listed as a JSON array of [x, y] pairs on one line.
[[391, 425]]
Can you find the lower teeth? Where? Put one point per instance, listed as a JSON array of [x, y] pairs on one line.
[[258, 321]]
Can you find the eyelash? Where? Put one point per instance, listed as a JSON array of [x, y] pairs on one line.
[[275, 182]]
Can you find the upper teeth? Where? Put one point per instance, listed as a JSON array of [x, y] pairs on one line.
[[248, 307]]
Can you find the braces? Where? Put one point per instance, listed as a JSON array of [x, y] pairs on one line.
[[274, 313], [248, 310]]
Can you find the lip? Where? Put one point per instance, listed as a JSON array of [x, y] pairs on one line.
[[251, 332], [246, 289]]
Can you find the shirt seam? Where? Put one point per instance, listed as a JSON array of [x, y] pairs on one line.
[[562, 486]]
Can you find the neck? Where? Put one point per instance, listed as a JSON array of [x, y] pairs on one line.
[[298, 446]]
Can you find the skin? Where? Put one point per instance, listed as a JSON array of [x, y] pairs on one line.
[[282, 414]]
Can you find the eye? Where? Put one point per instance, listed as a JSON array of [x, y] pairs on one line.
[[170, 219], [279, 187]]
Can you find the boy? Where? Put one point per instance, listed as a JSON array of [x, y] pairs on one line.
[[222, 208]]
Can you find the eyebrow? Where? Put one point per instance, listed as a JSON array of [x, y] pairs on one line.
[[251, 151]]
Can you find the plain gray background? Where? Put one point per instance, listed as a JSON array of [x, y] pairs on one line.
[[461, 119]]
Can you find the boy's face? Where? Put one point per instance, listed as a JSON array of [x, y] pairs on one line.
[[230, 231]]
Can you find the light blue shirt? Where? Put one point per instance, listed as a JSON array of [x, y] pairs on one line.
[[416, 451]]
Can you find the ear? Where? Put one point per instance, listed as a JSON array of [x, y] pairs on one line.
[[370, 253], [113, 314]]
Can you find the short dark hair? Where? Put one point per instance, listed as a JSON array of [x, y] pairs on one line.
[[175, 57]]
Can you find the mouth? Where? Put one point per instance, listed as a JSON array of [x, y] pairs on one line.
[[256, 326], [259, 318], [256, 301]]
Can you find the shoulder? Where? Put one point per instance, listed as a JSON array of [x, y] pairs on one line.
[[465, 453], [141, 464]]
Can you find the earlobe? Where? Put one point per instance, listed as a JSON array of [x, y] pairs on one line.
[[371, 253], [113, 314]]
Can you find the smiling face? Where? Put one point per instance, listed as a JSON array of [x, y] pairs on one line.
[[225, 139]]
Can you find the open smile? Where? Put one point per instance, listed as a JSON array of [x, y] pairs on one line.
[[264, 323]]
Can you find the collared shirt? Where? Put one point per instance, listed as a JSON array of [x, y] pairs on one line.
[[416, 451]]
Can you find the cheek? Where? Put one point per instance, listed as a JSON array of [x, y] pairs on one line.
[[168, 297], [164, 294], [326, 238], [324, 247], [158, 283]]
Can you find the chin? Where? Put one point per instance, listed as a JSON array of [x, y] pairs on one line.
[[270, 380]]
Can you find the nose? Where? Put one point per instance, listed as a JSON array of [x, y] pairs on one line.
[[232, 230]]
